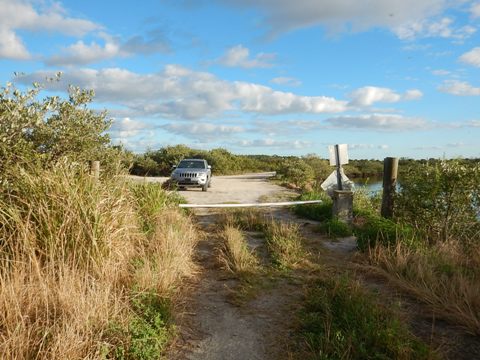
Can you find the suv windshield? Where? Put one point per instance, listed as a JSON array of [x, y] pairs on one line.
[[191, 164]]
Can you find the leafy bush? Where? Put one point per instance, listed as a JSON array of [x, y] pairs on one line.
[[371, 229], [297, 172], [44, 132], [441, 199]]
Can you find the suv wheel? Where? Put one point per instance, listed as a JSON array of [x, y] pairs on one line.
[[205, 187]]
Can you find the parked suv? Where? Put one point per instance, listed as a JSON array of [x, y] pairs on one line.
[[192, 173]]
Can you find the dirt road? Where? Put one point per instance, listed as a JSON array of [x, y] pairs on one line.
[[245, 188]]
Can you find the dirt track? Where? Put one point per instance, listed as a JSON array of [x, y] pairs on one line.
[[245, 188], [212, 327]]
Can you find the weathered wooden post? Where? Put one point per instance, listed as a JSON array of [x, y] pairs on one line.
[[95, 169], [390, 170]]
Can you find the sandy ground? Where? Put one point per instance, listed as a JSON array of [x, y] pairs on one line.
[[211, 327], [245, 188]]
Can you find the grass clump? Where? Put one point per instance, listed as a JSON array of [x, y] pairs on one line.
[[235, 255], [335, 228], [446, 278], [244, 219], [340, 320], [371, 229], [284, 243], [319, 212]]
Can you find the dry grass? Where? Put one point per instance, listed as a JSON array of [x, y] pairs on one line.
[[167, 254], [245, 219], [234, 254], [284, 242], [73, 255], [446, 278]]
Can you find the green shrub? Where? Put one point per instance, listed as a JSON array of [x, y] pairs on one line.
[[147, 333], [335, 228], [371, 229], [319, 212], [441, 199], [297, 172], [340, 320]]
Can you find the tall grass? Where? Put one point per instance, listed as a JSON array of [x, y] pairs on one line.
[[284, 242], [74, 256], [235, 255], [444, 277]]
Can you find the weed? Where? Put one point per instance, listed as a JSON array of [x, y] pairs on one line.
[[342, 321], [319, 212], [444, 278], [335, 228], [284, 243], [235, 254]]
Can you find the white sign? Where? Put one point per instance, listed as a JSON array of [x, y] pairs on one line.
[[342, 154], [330, 182]]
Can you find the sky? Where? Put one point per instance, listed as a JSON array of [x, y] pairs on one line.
[[387, 77]]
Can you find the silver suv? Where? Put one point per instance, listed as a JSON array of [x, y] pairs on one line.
[[192, 173]]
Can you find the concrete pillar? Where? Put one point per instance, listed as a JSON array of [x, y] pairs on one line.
[[343, 205]]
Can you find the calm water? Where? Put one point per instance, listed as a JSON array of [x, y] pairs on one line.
[[372, 185]]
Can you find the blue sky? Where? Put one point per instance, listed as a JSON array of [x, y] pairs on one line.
[[388, 77]]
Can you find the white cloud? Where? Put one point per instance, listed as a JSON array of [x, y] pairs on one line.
[[367, 146], [471, 57], [459, 88], [178, 92], [288, 81], [239, 56], [202, 131], [21, 15], [11, 46], [387, 122], [473, 123], [272, 143], [126, 127], [368, 95], [286, 15], [262, 99], [426, 28], [81, 53], [475, 10], [441, 72]]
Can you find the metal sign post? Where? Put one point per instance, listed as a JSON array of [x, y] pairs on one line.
[[337, 161]]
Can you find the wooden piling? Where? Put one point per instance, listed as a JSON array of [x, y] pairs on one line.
[[390, 171]]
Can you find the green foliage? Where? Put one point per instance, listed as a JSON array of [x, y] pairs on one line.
[[147, 333], [148, 328], [340, 320], [284, 243], [371, 229], [297, 172], [150, 200], [441, 199], [43, 132], [335, 228], [319, 212]]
